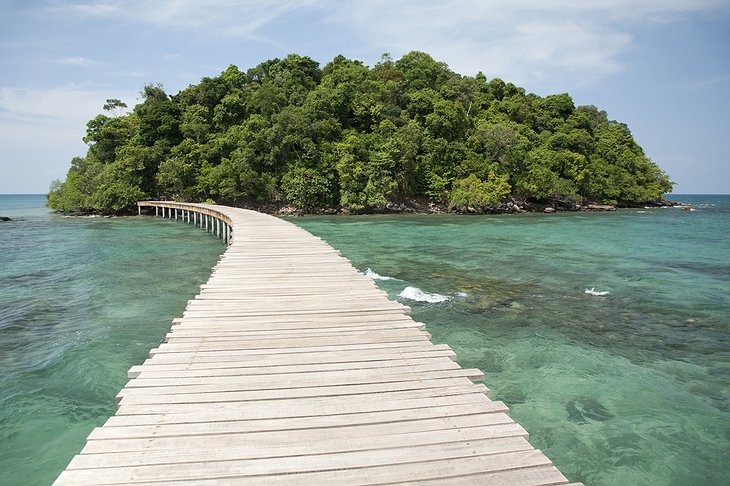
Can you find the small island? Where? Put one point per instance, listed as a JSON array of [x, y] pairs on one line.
[[407, 135]]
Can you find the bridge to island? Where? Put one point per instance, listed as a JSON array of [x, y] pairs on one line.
[[291, 367]]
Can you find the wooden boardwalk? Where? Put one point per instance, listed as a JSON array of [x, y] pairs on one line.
[[291, 367]]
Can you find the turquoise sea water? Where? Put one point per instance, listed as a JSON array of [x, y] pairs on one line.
[[629, 387], [81, 300], [628, 384]]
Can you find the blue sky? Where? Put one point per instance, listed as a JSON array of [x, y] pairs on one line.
[[660, 66]]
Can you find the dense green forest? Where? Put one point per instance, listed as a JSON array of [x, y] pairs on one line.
[[348, 136]]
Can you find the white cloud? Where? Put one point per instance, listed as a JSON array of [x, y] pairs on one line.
[[34, 155], [226, 18], [42, 129], [550, 43], [75, 61], [61, 105], [95, 9]]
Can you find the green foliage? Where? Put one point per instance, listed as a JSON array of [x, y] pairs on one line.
[[66, 196], [357, 137], [114, 106], [177, 175], [473, 192], [307, 188]]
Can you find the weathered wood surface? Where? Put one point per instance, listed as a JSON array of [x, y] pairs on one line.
[[291, 367]]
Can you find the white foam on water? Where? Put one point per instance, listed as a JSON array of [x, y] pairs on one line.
[[414, 293], [374, 276], [593, 291]]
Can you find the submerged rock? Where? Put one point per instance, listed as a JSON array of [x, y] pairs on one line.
[[583, 409], [600, 207]]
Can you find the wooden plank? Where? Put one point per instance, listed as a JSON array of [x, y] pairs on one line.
[[533, 476], [254, 448], [287, 408], [303, 380], [185, 332], [545, 475], [323, 310], [306, 355], [442, 472], [350, 334], [320, 373], [135, 428], [259, 349], [430, 388], [336, 342], [293, 322], [347, 360], [223, 369], [404, 464], [141, 438]]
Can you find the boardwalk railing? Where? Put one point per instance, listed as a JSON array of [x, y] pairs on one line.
[[206, 216], [291, 367]]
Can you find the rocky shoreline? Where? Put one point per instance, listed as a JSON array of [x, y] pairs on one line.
[[427, 207], [414, 206]]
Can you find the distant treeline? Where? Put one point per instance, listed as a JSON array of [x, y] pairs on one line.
[[353, 137]]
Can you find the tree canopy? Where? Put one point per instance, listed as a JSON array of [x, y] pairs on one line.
[[355, 137]]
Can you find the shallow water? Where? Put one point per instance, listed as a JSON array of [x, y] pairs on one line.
[[625, 388], [628, 387], [82, 300]]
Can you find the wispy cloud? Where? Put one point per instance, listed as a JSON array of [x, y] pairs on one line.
[[44, 128], [75, 61], [552, 44], [226, 18], [53, 106], [95, 9], [130, 74], [517, 39], [706, 83]]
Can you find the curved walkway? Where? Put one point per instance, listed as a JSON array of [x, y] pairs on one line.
[[291, 367]]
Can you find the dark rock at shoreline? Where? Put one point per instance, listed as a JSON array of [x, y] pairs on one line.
[[566, 205], [5, 218], [656, 203]]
